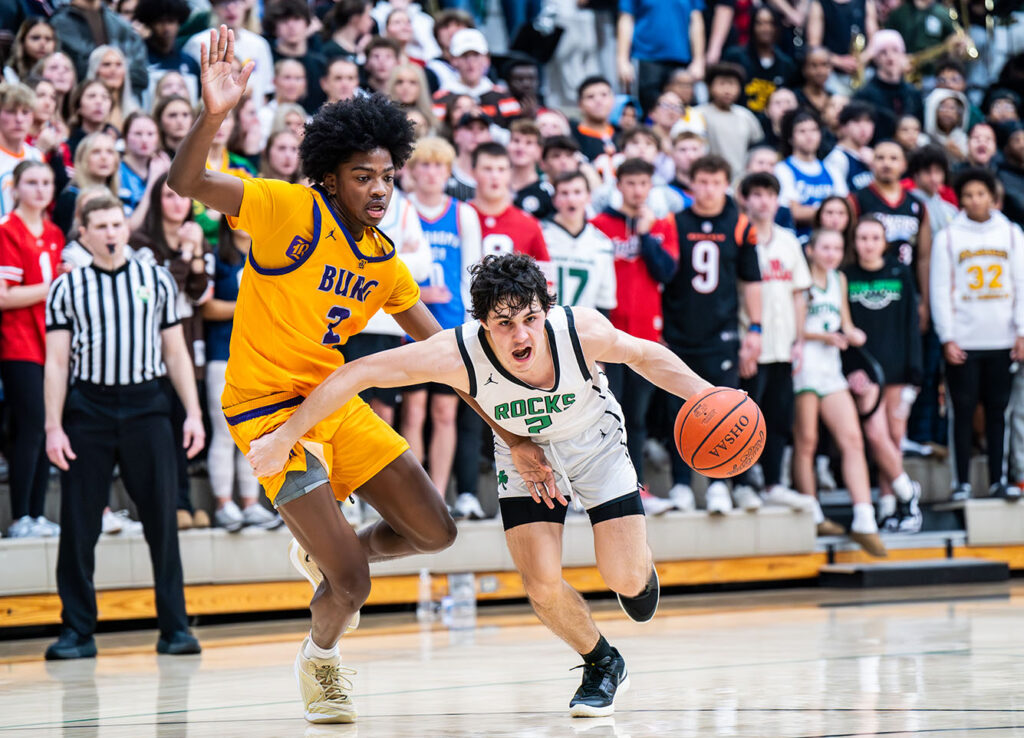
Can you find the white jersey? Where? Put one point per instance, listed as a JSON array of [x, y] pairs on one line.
[[821, 370], [575, 403], [977, 283], [583, 266]]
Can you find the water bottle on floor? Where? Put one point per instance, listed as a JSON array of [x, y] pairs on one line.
[[462, 590], [426, 610]]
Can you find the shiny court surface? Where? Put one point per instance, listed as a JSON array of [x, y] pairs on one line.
[[949, 662]]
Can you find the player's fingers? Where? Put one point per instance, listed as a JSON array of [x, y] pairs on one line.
[[229, 47], [68, 452], [222, 43], [533, 492], [560, 497], [545, 493], [212, 53], [243, 76], [204, 60]]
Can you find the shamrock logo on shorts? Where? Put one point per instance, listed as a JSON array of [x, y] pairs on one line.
[[502, 478]]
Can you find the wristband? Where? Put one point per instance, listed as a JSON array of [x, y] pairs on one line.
[[754, 328]]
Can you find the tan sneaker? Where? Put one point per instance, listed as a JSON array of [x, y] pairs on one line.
[[830, 528], [325, 688], [184, 519], [308, 568], [870, 542], [201, 519]]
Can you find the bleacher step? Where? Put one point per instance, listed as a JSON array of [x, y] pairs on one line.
[[913, 573]]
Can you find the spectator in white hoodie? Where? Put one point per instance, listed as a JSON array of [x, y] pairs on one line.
[[977, 299]]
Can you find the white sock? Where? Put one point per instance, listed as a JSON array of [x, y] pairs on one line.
[[886, 506], [313, 651], [903, 487], [819, 516], [864, 518]]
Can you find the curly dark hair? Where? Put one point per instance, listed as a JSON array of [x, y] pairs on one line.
[[343, 129], [509, 283]]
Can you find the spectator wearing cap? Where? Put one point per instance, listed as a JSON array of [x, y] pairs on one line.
[[163, 19], [287, 23], [732, 129], [472, 59], [661, 37], [249, 46], [447, 24], [82, 25], [891, 94], [471, 130]]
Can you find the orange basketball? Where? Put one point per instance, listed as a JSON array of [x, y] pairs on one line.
[[720, 432]]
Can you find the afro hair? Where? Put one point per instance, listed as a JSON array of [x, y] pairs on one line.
[[343, 129]]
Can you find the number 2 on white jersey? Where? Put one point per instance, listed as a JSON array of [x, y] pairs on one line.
[[705, 259]]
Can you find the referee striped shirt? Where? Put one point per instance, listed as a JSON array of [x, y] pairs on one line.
[[115, 319]]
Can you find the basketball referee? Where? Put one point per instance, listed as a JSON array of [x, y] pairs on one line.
[[112, 337]]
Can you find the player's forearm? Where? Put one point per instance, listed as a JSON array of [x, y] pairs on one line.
[[342, 385], [662, 368], [418, 322], [21, 295], [509, 438], [188, 168], [721, 23], [800, 310], [624, 37]]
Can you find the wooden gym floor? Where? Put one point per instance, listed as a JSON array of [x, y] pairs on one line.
[[784, 664]]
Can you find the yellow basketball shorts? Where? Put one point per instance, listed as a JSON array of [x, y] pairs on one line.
[[346, 449]]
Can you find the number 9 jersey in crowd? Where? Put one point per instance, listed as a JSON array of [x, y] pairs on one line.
[[307, 288]]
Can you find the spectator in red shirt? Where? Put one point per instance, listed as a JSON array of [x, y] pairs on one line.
[[504, 227], [30, 249], [646, 255]]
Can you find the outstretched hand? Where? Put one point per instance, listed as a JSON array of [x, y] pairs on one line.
[[222, 86], [533, 467]]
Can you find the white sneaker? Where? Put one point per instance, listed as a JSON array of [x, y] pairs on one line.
[[746, 498], [823, 471], [656, 454], [257, 516], [654, 505], [352, 512], [682, 496], [785, 497], [307, 568], [468, 507], [111, 523], [787, 467], [23, 527], [229, 517], [46, 528], [718, 498], [325, 688]]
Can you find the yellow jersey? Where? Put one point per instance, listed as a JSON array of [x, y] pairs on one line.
[[307, 287]]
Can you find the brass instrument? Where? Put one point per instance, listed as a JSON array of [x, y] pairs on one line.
[[857, 46], [925, 57]]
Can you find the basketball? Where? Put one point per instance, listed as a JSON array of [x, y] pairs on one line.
[[720, 432]]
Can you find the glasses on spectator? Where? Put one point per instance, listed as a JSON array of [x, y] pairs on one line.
[[227, 2], [671, 106], [948, 79]]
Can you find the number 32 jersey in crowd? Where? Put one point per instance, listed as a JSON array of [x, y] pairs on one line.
[[701, 303]]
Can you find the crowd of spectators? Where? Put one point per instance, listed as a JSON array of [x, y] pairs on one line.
[[817, 201]]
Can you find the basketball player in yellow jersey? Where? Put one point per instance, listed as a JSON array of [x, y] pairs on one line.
[[317, 270]]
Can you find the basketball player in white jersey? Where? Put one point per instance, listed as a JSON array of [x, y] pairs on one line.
[[532, 367], [582, 257]]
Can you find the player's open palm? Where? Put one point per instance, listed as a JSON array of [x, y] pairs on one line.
[[222, 85]]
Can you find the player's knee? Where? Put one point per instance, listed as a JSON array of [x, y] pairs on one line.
[[439, 536], [349, 590], [629, 581], [544, 590], [851, 441]]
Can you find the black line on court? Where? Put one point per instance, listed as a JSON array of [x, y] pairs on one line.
[[916, 601]]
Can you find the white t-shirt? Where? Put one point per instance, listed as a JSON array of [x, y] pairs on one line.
[[248, 47], [8, 161], [584, 266], [783, 271]]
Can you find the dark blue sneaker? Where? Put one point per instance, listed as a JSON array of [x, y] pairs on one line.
[[180, 643], [601, 683], [71, 645], [641, 608]]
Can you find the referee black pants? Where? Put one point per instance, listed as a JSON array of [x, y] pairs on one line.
[[129, 426]]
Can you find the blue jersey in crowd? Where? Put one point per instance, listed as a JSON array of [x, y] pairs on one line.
[[446, 271], [810, 190], [226, 278], [133, 187]]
